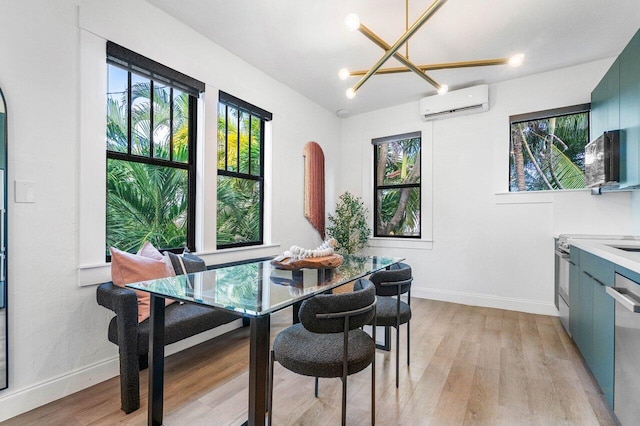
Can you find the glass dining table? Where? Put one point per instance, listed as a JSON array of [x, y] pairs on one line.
[[254, 290]]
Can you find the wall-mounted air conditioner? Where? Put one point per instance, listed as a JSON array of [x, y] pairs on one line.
[[457, 102]]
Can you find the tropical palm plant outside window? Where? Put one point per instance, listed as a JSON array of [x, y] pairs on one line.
[[240, 208], [547, 149], [397, 185], [151, 122]]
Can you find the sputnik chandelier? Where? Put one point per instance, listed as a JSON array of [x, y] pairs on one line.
[[353, 23]]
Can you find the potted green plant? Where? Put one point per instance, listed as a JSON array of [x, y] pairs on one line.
[[349, 224]]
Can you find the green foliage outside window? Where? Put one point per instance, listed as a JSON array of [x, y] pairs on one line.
[[146, 202], [548, 153], [240, 181], [397, 190]]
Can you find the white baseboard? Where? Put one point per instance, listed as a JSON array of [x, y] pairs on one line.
[[484, 300], [23, 400]]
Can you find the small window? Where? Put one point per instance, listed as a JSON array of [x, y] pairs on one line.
[[241, 128], [547, 149], [151, 148], [397, 191]]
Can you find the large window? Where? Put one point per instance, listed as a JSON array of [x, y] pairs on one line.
[[397, 186], [241, 128], [547, 149], [151, 149]]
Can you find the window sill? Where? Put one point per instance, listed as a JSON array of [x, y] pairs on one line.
[[536, 197], [406, 243], [89, 275]]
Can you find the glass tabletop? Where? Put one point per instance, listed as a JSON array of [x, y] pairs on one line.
[[259, 288]]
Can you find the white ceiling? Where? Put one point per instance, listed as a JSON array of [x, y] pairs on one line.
[[303, 43]]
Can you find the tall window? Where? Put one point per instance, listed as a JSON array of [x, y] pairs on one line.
[[151, 149], [547, 149], [397, 185], [240, 172]]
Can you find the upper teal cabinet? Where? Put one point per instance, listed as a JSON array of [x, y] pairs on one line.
[[630, 112], [615, 104], [605, 102]]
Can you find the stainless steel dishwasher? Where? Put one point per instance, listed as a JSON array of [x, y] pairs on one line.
[[627, 350]]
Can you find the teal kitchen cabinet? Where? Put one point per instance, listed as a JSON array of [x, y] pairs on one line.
[[615, 105], [592, 315], [629, 64], [605, 102], [574, 291], [602, 355]]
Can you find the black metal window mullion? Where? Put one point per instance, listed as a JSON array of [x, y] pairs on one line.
[[226, 137], [171, 123], [151, 108], [191, 174], [262, 180], [129, 109], [238, 140], [249, 147], [115, 155]]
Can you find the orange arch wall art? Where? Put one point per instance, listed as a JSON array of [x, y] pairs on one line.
[[314, 186]]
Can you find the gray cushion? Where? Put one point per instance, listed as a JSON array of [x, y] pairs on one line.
[[386, 309], [320, 355], [181, 321]]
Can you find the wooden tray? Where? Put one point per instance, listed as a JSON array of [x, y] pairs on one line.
[[325, 262]]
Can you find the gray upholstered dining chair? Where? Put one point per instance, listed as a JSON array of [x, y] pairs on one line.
[[390, 284], [329, 342]]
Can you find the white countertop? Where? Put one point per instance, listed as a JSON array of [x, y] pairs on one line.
[[603, 248]]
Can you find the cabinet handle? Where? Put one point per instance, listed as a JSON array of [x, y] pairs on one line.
[[2, 219], [626, 301], [594, 278], [2, 263], [571, 262]]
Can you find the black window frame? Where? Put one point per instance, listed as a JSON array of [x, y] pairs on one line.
[[242, 106], [132, 62], [379, 141], [542, 115]]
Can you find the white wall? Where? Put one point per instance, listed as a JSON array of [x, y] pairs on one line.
[[57, 332], [489, 248]]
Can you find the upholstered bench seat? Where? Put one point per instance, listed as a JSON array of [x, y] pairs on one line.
[[180, 322]]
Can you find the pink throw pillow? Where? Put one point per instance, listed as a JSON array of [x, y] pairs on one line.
[[148, 264]]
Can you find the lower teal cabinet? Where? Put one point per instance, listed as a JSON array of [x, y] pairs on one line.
[[574, 292], [592, 316], [584, 338], [602, 355]]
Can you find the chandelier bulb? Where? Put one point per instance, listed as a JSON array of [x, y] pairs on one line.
[[443, 89], [352, 22], [516, 60], [344, 74], [351, 93]]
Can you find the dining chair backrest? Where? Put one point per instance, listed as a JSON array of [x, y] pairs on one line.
[[315, 313], [388, 280]]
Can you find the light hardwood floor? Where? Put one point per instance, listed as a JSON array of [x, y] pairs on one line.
[[469, 366]]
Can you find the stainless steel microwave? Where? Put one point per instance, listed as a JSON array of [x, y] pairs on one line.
[[602, 160]]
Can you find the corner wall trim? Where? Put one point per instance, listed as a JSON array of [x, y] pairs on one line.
[[486, 300]]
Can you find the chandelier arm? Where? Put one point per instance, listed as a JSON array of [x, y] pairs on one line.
[[403, 38], [432, 67], [410, 66]]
